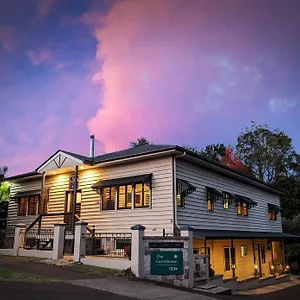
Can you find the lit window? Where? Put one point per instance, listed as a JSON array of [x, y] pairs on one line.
[[242, 208], [142, 195], [272, 212], [108, 198], [179, 196], [226, 200], [125, 196], [210, 202], [244, 251]]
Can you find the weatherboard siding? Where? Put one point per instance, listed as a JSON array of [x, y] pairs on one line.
[[20, 186], [156, 218], [195, 211]]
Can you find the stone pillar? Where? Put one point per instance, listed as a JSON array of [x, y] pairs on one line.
[[188, 232], [79, 243], [19, 237], [59, 240], [138, 250]]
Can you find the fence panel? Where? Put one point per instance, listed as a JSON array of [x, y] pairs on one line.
[[108, 244], [7, 237], [38, 239], [69, 242]]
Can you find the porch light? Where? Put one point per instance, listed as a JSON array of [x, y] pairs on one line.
[[287, 267], [255, 267], [82, 167], [272, 267], [53, 173], [233, 266]]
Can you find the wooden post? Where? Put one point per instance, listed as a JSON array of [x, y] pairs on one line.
[[74, 198], [254, 257], [205, 248], [233, 259], [41, 202]]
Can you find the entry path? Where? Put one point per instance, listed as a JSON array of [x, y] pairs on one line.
[[138, 290]]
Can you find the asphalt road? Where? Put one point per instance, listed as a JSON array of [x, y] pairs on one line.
[[52, 291]]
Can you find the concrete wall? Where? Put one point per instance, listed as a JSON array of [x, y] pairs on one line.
[[104, 262]]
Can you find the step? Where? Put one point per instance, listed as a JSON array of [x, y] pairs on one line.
[[207, 286], [214, 290]]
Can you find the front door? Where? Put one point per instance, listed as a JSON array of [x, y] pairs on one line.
[[69, 204], [229, 260], [260, 253]]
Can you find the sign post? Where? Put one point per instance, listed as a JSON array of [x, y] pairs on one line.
[[166, 262]]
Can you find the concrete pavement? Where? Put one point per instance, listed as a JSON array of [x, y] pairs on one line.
[[137, 290]]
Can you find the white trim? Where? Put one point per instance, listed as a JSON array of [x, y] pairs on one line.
[[48, 161]]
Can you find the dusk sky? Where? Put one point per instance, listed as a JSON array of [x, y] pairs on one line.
[[186, 72]]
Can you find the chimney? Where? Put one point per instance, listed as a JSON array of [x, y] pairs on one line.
[[92, 145]]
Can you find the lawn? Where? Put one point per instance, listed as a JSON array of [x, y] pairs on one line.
[[10, 275]]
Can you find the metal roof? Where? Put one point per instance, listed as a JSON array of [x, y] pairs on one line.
[[233, 234]]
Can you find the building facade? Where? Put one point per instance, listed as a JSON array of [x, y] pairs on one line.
[[236, 219]]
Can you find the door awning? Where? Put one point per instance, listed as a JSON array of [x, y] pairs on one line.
[[245, 199], [26, 194], [185, 188], [123, 181]]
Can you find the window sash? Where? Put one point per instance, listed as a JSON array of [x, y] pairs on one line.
[[124, 198], [272, 214], [28, 206], [108, 198], [142, 195]]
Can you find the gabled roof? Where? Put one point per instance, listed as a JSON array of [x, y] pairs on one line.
[[131, 152]]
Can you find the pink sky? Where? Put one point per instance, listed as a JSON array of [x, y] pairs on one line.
[[181, 72]]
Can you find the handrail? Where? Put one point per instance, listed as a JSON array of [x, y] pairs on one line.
[[40, 216], [33, 223]]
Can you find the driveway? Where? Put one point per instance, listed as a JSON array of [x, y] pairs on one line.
[[52, 291]]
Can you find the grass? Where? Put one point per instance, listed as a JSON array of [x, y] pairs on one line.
[[22, 258], [96, 271], [10, 275]]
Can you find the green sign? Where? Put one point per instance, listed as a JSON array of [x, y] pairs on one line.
[[166, 262]]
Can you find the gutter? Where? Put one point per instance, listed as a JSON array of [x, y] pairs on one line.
[[174, 169]]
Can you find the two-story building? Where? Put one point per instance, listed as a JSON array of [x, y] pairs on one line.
[[236, 219]]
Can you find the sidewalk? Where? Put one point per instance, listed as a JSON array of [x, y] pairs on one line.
[[137, 290]]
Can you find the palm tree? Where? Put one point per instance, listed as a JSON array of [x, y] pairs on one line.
[[142, 141]]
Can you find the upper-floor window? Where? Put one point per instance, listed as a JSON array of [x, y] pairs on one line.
[[28, 205], [226, 200], [241, 208], [108, 198], [125, 196], [210, 202], [141, 195], [272, 211], [183, 189]]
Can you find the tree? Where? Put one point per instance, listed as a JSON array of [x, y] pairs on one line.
[[231, 160], [4, 197], [268, 152], [214, 151], [140, 142]]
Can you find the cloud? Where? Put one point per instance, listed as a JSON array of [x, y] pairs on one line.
[[162, 75], [281, 105], [44, 7], [39, 57], [6, 38]]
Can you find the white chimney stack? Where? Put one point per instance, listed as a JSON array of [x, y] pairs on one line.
[[92, 145]]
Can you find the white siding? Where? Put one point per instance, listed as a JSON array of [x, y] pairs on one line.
[[159, 216], [195, 211], [24, 185]]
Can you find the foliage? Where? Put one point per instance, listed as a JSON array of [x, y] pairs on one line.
[[231, 160], [268, 152], [292, 226], [140, 142], [4, 191], [212, 151]]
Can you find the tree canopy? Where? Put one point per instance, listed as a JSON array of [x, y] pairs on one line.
[[267, 152], [140, 142]]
